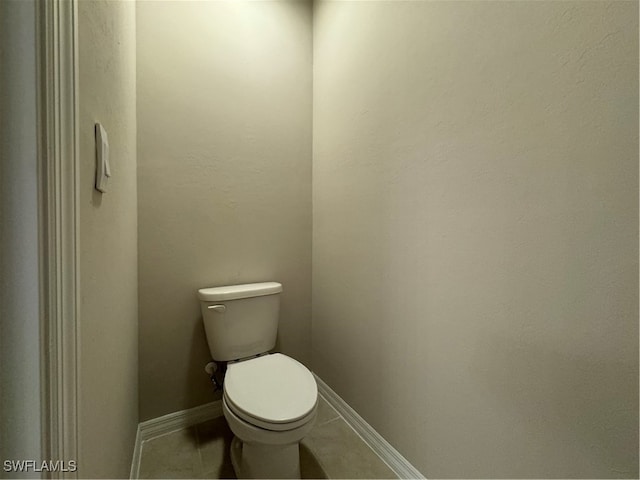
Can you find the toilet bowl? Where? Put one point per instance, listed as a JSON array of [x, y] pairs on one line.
[[270, 400], [270, 404]]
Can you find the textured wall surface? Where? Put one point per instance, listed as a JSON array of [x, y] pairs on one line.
[[475, 219], [108, 242], [19, 317], [224, 178]]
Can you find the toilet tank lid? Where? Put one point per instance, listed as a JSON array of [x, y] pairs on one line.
[[234, 292]]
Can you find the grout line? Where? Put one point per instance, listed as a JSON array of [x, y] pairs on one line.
[[337, 414], [195, 427], [164, 434], [329, 421]]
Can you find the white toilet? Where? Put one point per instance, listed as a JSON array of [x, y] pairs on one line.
[[270, 400]]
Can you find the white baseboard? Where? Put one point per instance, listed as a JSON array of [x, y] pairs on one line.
[[185, 418], [389, 455], [171, 422], [135, 461]]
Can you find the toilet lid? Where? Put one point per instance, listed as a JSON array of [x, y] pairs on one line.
[[272, 388]]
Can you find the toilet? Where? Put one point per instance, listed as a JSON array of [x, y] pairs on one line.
[[270, 400]]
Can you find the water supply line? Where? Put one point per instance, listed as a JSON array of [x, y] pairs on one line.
[[212, 369]]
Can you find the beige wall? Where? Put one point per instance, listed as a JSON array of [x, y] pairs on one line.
[[108, 413], [475, 219], [224, 178]]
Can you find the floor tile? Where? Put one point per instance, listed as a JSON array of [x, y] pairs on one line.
[[309, 465], [214, 442], [343, 454], [174, 455], [331, 450]]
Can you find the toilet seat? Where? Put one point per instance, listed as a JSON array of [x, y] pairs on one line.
[[268, 426], [274, 392]]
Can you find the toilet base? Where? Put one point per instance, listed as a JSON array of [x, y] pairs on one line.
[[251, 460]]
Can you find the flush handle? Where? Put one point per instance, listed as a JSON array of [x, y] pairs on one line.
[[217, 308]]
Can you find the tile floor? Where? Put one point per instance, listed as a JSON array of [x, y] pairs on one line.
[[331, 450]]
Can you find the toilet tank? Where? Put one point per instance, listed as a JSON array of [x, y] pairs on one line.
[[240, 320]]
